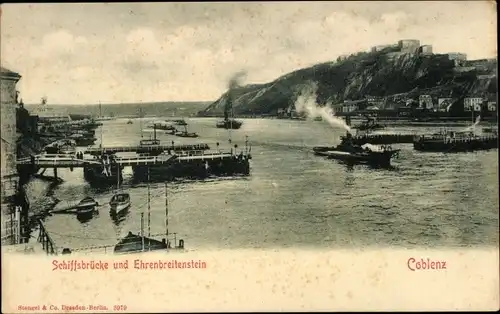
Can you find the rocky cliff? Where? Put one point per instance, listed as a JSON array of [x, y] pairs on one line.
[[385, 73]]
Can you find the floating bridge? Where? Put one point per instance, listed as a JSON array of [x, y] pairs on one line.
[[106, 170]]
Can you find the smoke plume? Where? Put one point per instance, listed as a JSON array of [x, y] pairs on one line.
[[306, 103], [234, 82], [237, 79], [473, 127]]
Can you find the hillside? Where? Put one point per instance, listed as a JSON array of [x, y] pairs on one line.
[[384, 73]]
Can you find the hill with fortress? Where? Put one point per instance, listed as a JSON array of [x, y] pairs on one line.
[[388, 77]]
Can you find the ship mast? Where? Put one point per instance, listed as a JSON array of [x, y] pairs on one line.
[[100, 116], [230, 99], [231, 120], [140, 119], [166, 212], [142, 231], [149, 208]]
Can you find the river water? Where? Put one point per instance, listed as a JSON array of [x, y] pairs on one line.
[[295, 199]]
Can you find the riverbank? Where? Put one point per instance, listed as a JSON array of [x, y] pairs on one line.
[[38, 191], [40, 194], [399, 121]]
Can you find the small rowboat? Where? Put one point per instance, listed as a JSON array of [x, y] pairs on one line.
[[120, 202], [86, 207]]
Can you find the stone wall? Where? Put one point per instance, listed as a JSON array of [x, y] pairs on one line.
[[9, 179], [8, 123]]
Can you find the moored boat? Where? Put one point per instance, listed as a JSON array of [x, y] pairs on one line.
[[185, 133], [136, 243], [120, 201], [162, 125], [368, 125], [82, 140], [64, 146], [133, 243], [180, 122], [86, 207], [177, 122], [455, 142], [229, 124]]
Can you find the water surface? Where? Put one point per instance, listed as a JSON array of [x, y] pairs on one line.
[[295, 199]]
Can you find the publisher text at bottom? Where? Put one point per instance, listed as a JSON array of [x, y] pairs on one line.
[[70, 308]]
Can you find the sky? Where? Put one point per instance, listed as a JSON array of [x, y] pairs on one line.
[[78, 53]]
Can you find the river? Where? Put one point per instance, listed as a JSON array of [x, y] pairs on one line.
[[295, 199]]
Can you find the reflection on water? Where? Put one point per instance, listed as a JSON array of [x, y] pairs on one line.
[[85, 218], [293, 198]]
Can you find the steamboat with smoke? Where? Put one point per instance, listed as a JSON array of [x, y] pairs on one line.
[[229, 123], [351, 153], [348, 150]]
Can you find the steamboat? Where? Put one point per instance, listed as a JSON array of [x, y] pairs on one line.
[[352, 153], [229, 123]]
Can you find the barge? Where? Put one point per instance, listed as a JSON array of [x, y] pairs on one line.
[[455, 142]]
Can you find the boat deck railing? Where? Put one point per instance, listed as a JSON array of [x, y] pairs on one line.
[[448, 139]]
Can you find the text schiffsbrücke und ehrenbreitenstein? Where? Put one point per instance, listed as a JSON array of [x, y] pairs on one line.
[[76, 265]]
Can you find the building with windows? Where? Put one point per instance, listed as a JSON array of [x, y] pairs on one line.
[[425, 102], [444, 104], [353, 105], [9, 177], [492, 106], [473, 103]]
